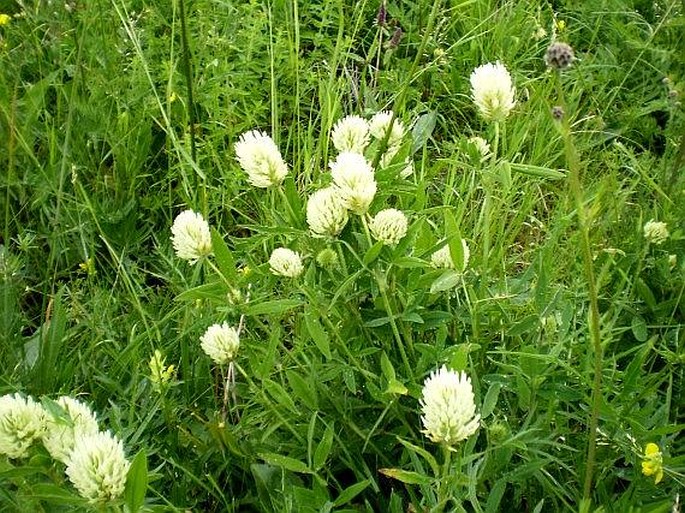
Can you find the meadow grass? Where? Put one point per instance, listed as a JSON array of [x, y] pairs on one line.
[[117, 116]]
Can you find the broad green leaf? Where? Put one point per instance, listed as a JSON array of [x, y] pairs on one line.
[[223, 257], [285, 462], [453, 235], [303, 390], [317, 332], [542, 172], [430, 459], [490, 400], [423, 129], [274, 307], [136, 482], [373, 253], [324, 448], [351, 492], [446, 281], [639, 328], [387, 368], [278, 393], [406, 476]]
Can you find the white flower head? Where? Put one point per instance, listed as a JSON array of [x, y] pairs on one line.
[[22, 421], [221, 343], [482, 146], [259, 157], [77, 420], [379, 126], [449, 410], [442, 259], [389, 226], [97, 467], [493, 91], [285, 262], [191, 237], [353, 177], [351, 133], [326, 212], [656, 232]]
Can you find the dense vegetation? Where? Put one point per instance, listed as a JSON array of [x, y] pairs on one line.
[[104, 141]]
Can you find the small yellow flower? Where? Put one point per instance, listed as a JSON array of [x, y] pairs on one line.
[[652, 462], [560, 25], [4, 19]]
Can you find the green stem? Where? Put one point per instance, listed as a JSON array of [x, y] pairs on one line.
[[382, 286], [187, 70], [573, 163]]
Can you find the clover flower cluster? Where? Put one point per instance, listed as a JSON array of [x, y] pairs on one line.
[[95, 461], [448, 406]]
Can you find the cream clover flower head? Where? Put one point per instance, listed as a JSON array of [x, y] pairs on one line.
[[97, 467], [221, 343], [482, 146], [76, 421], [326, 212], [379, 126], [259, 157], [449, 410], [493, 91], [351, 133], [22, 421], [285, 262], [191, 237], [354, 179], [656, 232], [389, 226], [442, 259]]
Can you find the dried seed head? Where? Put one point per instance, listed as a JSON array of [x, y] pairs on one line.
[[559, 56], [558, 112], [382, 16], [396, 38]]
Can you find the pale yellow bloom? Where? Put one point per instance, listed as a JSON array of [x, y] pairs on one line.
[[653, 462]]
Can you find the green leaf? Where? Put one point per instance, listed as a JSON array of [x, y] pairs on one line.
[[136, 482], [223, 257], [446, 281], [423, 129], [278, 393], [215, 291], [454, 240], [430, 459], [490, 400], [406, 476], [303, 390], [495, 497], [324, 448], [407, 262], [387, 368], [542, 172], [639, 328], [277, 306], [524, 326], [285, 462], [318, 334], [396, 388], [372, 253], [351, 492]]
